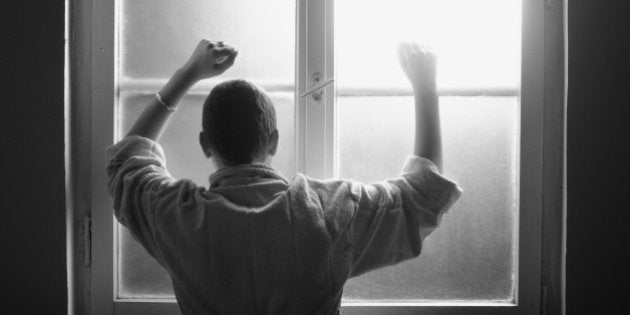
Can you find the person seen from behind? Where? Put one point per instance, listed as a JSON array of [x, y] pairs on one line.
[[255, 242]]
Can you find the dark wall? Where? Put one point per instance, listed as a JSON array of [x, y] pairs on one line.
[[598, 172], [32, 219]]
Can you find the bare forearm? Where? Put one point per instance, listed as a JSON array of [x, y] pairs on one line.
[[153, 119], [209, 59], [428, 138]]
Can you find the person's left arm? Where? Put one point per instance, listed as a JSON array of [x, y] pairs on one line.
[[209, 59]]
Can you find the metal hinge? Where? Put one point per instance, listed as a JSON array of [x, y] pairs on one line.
[[86, 243]]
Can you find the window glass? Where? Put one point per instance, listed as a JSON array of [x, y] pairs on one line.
[[471, 255], [139, 275], [477, 42], [156, 37]]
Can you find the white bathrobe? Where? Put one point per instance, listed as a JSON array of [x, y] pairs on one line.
[[255, 243]]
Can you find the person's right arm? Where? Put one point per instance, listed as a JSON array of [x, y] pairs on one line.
[[138, 180], [419, 64]]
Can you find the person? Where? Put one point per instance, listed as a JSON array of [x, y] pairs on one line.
[[255, 242]]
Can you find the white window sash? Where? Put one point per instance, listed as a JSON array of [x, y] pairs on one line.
[[314, 118], [203, 87]]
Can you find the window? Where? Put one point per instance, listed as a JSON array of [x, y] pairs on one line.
[[485, 258]]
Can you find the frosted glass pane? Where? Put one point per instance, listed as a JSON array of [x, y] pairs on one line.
[[477, 42], [156, 37], [471, 255], [139, 275]]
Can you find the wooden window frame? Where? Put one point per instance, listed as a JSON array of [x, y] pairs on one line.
[[93, 90]]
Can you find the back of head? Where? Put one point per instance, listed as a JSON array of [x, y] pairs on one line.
[[238, 118]]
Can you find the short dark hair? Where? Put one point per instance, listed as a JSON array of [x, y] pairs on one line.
[[239, 118]]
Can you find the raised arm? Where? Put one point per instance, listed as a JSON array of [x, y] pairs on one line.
[[419, 64], [209, 59]]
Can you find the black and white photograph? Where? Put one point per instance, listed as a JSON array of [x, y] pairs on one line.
[[334, 157]]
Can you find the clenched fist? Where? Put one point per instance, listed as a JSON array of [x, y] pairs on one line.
[[210, 59], [419, 64]]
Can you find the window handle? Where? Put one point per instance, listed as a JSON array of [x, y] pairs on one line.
[[318, 86]]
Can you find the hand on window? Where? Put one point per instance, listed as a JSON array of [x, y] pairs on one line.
[[419, 64], [210, 59]]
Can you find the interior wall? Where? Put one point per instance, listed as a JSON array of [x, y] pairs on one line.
[[597, 167], [32, 216]]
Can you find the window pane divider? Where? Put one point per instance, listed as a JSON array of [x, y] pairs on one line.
[[314, 119], [393, 90], [153, 85], [273, 86]]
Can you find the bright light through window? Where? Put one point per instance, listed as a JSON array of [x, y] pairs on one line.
[[477, 42], [471, 256], [478, 46]]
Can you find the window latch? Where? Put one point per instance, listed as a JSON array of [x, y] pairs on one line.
[[317, 86]]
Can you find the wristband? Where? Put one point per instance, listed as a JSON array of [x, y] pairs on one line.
[[170, 108]]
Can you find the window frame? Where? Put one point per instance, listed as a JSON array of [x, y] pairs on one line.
[[94, 81]]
